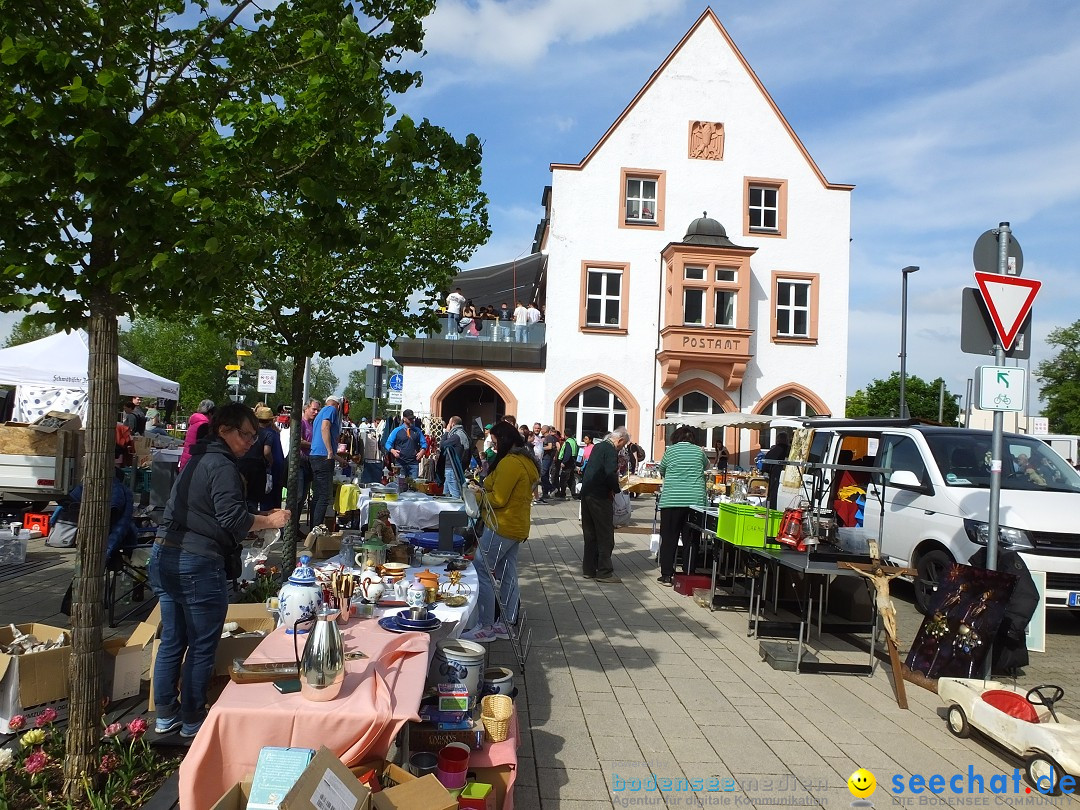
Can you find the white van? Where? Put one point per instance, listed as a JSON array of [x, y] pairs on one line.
[[937, 499]]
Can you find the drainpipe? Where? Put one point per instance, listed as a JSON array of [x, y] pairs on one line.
[[656, 368]]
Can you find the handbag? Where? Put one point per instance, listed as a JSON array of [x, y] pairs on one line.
[[62, 534], [234, 561]]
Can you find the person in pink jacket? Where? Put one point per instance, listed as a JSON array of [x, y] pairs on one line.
[[198, 419]]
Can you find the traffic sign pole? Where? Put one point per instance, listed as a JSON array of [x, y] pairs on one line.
[[996, 441]]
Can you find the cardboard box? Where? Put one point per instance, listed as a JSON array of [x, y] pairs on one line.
[[378, 774], [428, 736], [425, 793], [34, 678], [235, 798], [326, 784], [55, 421], [126, 661], [322, 546], [252, 618], [477, 796], [499, 777]]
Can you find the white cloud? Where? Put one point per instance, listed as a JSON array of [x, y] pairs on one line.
[[519, 35]]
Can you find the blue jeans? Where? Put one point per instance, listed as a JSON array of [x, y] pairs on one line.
[[521, 333], [193, 596], [409, 469], [322, 484], [500, 554], [450, 483]]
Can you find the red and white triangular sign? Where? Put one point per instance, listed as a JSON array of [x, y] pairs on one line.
[[1009, 299]]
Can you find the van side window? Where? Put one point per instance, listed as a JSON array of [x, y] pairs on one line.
[[901, 453]]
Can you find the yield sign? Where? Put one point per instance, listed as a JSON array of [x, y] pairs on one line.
[[1009, 300]]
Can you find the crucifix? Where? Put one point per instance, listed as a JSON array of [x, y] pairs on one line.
[[878, 575]]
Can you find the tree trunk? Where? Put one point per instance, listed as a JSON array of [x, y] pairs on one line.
[[292, 499], [87, 611]]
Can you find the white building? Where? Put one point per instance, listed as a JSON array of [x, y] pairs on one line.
[[653, 307]]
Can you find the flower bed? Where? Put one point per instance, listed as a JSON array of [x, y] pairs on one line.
[[129, 770]]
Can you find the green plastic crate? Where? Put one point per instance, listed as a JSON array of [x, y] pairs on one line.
[[749, 526]]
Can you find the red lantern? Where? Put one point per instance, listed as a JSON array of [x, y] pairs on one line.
[[791, 529]]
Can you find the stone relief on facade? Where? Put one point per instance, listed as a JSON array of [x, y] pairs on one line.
[[706, 140]]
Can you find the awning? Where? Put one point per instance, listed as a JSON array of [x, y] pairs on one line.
[[520, 279], [736, 419]]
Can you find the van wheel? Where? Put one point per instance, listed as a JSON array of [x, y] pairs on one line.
[[930, 570]]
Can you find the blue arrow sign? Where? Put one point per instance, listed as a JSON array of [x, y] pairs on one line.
[[397, 382]]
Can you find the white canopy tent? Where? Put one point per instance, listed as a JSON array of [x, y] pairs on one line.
[[738, 420], [735, 419], [53, 374]]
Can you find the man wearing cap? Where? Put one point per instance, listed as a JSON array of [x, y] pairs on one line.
[[405, 443], [325, 428]]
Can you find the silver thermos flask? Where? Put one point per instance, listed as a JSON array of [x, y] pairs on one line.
[[322, 666]]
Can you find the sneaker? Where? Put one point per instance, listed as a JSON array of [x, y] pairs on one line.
[[189, 730], [612, 580], [588, 576], [665, 581], [481, 635], [499, 631], [166, 725]]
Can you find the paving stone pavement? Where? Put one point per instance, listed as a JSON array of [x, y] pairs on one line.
[[634, 682]]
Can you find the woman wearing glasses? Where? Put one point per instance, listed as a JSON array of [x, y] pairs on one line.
[[205, 519]]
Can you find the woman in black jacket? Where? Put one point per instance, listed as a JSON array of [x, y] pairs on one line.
[[205, 520]]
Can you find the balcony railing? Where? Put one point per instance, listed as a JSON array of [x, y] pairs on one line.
[[495, 347]]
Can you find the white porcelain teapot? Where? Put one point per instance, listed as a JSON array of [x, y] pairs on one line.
[[371, 585]]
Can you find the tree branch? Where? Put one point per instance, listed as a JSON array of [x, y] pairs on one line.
[[184, 65]]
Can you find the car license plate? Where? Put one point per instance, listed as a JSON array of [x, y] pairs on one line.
[[1074, 599]]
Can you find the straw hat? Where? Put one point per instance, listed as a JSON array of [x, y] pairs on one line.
[[263, 414]]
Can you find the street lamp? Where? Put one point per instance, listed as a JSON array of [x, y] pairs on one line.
[[903, 339]]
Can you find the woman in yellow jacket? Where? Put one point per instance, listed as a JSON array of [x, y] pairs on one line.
[[507, 511]]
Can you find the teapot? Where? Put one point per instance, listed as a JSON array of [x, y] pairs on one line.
[[371, 585]]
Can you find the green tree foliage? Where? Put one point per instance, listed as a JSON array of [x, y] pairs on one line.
[[355, 387], [322, 381], [191, 353], [27, 330], [173, 157], [1060, 378], [882, 398]]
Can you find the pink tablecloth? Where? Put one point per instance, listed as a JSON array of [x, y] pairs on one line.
[[380, 693], [501, 753]]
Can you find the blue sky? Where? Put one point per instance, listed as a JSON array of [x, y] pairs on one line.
[[947, 117]]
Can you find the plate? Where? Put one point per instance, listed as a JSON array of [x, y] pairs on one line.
[[390, 623]]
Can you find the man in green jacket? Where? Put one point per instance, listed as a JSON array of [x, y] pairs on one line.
[[599, 483]]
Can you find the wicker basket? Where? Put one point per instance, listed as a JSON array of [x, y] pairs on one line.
[[495, 712]]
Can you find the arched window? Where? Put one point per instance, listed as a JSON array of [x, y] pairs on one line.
[[695, 403], [783, 406], [594, 412]]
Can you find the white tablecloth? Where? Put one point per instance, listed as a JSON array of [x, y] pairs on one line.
[[411, 511]]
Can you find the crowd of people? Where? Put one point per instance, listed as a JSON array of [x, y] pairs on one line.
[[464, 318]]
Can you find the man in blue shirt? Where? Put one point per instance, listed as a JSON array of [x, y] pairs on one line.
[[405, 444], [325, 428]]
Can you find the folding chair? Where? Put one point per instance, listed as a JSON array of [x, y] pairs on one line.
[[127, 582]]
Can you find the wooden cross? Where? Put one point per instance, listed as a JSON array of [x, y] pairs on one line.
[[879, 575]]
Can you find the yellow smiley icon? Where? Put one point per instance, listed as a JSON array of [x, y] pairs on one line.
[[862, 784]]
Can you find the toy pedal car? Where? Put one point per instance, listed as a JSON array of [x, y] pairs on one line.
[[1022, 721]]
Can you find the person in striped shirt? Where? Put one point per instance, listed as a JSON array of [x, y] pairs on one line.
[[683, 469]]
